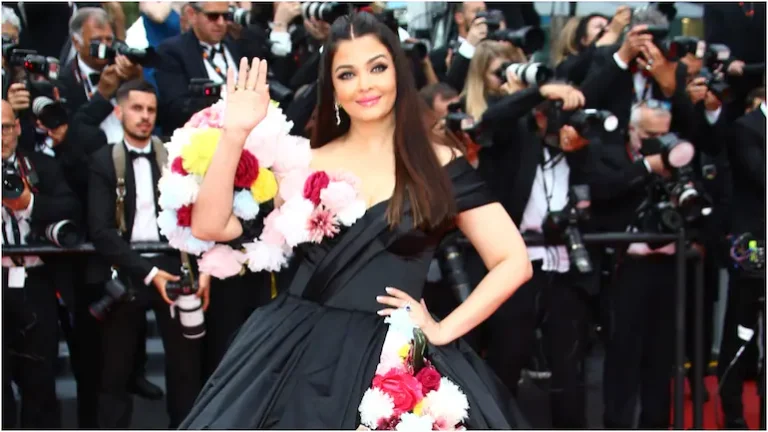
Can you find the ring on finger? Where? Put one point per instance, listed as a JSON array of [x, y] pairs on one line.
[[407, 307]]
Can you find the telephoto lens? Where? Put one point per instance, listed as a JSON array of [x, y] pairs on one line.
[[188, 305]]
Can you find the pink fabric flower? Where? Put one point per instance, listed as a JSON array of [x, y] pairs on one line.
[[315, 183], [270, 234], [264, 148], [292, 153], [346, 177], [209, 117], [388, 362], [337, 196], [222, 262], [293, 183], [404, 389], [322, 224]]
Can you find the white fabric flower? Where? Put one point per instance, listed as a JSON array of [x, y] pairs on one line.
[[410, 422], [374, 406], [168, 223], [185, 241], [395, 340], [448, 403], [293, 220], [177, 190], [400, 321], [180, 138], [244, 206], [350, 214], [264, 256]]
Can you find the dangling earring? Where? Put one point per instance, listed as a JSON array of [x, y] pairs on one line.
[[338, 116]]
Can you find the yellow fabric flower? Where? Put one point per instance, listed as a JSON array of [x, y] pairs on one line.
[[274, 103], [197, 155], [419, 408], [403, 352], [265, 186]]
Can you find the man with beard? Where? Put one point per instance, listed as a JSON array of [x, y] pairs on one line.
[[113, 226]]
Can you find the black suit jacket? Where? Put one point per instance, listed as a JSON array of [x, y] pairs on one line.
[[182, 60], [72, 88], [112, 247], [746, 151], [611, 88]]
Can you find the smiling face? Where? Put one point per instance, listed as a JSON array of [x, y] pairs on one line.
[[364, 79]]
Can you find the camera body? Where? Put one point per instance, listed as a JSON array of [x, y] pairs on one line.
[[459, 122], [115, 291], [204, 88], [493, 19], [144, 57], [680, 46], [566, 223], [188, 305], [589, 123], [13, 178], [240, 16]]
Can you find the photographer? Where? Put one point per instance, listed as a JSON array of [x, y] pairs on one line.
[[471, 32], [140, 279], [637, 70], [639, 349], [35, 196], [746, 286], [81, 78], [206, 51]]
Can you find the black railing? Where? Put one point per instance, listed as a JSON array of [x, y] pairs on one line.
[[682, 254]]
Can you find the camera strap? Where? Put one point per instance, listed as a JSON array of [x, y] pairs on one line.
[[119, 161], [17, 260]]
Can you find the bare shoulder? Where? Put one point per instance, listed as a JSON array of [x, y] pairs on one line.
[[446, 154]]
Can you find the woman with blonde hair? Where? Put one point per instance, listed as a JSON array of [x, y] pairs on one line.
[[483, 81]]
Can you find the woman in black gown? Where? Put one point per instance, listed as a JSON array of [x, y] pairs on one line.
[[305, 360]]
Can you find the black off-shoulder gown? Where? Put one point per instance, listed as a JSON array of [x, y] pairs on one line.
[[304, 360]]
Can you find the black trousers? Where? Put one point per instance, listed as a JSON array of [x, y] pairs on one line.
[[743, 308], [639, 353], [551, 302], [183, 357], [30, 351], [233, 300]]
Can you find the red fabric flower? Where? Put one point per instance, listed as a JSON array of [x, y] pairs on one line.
[[178, 166], [388, 424], [315, 183], [184, 216], [404, 389], [247, 170], [429, 378]]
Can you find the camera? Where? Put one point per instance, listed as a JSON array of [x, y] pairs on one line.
[[451, 263], [188, 304], [277, 91], [564, 225], [144, 57], [204, 88], [528, 73], [493, 19], [675, 152], [418, 49], [658, 33], [240, 16], [716, 55], [51, 113], [13, 185], [717, 85], [457, 121], [530, 39], [588, 123], [63, 234], [680, 46], [115, 292], [324, 11]]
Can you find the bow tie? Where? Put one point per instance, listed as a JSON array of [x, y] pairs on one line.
[[215, 50], [94, 77], [136, 155]]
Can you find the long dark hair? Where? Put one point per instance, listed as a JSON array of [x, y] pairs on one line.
[[419, 176]]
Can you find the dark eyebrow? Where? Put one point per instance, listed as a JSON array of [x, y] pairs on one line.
[[371, 60]]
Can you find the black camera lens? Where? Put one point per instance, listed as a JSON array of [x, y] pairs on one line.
[[13, 185], [324, 11]]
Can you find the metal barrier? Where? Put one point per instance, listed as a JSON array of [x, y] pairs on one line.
[[537, 240]]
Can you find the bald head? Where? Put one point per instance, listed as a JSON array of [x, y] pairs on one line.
[[11, 130]]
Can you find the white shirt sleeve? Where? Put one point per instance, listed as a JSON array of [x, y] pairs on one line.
[[281, 43], [619, 62], [150, 276], [714, 115], [466, 50]]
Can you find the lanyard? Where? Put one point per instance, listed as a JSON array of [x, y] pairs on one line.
[[18, 261], [207, 58]]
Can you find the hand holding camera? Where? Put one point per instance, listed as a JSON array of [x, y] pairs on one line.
[[661, 69], [571, 97], [570, 140], [285, 13], [161, 280], [633, 43], [478, 31], [125, 69], [18, 97], [620, 19], [109, 81], [204, 289]]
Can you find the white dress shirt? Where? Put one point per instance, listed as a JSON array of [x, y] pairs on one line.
[[145, 217], [111, 126], [22, 219], [223, 63], [549, 186]]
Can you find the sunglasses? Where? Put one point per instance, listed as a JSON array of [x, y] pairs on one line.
[[214, 16]]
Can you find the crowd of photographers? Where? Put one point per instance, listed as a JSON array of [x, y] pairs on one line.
[[625, 129]]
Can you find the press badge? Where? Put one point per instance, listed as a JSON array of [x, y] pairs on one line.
[[16, 276]]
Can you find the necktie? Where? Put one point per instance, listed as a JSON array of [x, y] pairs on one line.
[[94, 77]]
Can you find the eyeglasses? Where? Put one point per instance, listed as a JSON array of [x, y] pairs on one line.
[[214, 16]]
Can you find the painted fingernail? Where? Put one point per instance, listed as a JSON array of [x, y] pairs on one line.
[[381, 312], [388, 289]]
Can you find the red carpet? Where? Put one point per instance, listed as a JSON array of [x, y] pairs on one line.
[[751, 405]]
